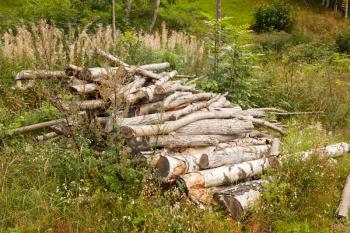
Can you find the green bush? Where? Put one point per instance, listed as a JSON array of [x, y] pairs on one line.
[[343, 42], [276, 16]]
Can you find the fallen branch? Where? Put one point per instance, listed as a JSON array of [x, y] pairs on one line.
[[344, 206]]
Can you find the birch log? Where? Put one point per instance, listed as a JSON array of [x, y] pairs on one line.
[[40, 74], [87, 105], [158, 118], [181, 98], [149, 92], [228, 174], [85, 88], [38, 126], [343, 209], [47, 136], [216, 126], [333, 151], [173, 86], [168, 127], [205, 195], [176, 141], [171, 167], [240, 198]]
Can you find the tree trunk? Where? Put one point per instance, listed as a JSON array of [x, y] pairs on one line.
[[168, 127], [113, 21], [239, 198], [156, 118], [85, 88], [167, 104], [228, 174], [170, 167], [183, 141], [148, 92], [128, 10], [332, 151], [40, 74], [343, 209], [206, 195], [173, 86], [87, 105], [41, 125], [155, 14]]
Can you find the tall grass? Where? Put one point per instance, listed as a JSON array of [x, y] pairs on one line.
[[48, 46]]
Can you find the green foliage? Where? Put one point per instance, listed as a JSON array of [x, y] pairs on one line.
[[343, 42], [230, 63], [276, 16]]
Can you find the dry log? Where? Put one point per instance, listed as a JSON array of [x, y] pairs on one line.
[[222, 102], [39, 126], [332, 151], [275, 147], [183, 98], [240, 198], [109, 57], [127, 90], [173, 86], [171, 167], [168, 127], [206, 195], [261, 122], [228, 174], [216, 126], [87, 105], [158, 117], [173, 97], [148, 92], [47, 136], [344, 206], [85, 88], [40, 74], [156, 66], [73, 70], [175, 141]]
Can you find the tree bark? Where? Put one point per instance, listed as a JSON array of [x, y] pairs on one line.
[[156, 118], [173, 86], [38, 126], [183, 141], [170, 167], [210, 196], [228, 174], [148, 92], [240, 198], [167, 104], [155, 14], [85, 88], [168, 127], [40, 74], [332, 151], [215, 126], [87, 105], [343, 209], [47, 136]]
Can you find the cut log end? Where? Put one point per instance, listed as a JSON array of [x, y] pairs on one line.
[[163, 167], [127, 132], [231, 205], [204, 162]]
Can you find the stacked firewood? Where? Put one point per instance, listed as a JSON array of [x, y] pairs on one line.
[[215, 148]]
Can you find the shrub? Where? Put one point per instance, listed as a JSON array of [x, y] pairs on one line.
[[343, 42], [276, 16]]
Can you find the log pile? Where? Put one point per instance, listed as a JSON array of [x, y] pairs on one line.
[[215, 148]]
